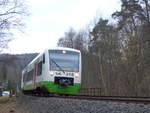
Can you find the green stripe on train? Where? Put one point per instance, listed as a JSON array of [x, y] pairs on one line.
[[53, 88]]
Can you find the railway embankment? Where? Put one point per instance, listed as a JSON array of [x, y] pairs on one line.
[[60, 105]]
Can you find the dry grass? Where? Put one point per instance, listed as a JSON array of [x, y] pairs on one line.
[[4, 99], [8, 105]]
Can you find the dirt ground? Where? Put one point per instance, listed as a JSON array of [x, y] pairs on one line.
[[10, 107]]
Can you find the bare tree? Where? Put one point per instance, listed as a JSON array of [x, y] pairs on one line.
[[73, 39], [12, 14], [68, 39]]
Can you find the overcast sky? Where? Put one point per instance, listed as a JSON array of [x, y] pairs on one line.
[[51, 18]]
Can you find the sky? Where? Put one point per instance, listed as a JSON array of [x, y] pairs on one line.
[[49, 20]]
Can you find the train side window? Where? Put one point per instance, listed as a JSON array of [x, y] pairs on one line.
[[39, 72], [43, 58], [24, 76], [30, 75]]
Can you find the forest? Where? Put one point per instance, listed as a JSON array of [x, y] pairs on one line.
[[115, 55]]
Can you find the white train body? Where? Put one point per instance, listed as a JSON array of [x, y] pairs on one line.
[[57, 70]]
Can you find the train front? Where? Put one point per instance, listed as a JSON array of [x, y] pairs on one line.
[[65, 71]]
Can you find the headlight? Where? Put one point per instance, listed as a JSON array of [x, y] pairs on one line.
[[51, 73], [76, 74]]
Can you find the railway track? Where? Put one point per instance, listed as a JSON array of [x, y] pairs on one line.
[[136, 100]]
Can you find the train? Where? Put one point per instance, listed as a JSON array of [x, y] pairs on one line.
[[55, 71]]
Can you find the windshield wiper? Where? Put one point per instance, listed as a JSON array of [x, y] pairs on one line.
[[58, 65]]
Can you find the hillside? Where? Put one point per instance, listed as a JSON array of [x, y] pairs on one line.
[[11, 67]]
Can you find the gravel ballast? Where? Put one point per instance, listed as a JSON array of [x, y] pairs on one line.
[[59, 105]]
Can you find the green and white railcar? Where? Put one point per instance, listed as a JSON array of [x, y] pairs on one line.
[[56, 70]]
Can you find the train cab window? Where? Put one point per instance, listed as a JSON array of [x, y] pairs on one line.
[[39, 72]]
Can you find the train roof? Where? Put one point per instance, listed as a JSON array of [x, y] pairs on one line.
[[63, 48]]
